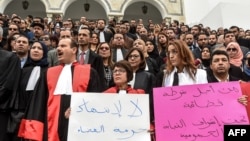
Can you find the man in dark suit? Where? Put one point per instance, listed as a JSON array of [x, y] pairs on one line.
[[189, 39], [86, 56], [219, 67], [202, 42], [104, 33], [240, 40]]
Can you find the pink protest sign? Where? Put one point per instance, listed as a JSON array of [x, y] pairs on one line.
[[197, 112]]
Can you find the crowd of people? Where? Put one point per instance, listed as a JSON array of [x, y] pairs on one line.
[[43, 62]]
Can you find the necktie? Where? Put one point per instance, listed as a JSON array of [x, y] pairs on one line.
[[176, 79], [82, 57]]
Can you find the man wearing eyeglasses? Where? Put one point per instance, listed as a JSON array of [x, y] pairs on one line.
[[16, 20], [46, 40], [12, 28]]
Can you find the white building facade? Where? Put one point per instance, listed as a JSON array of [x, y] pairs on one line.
[[157, 10]]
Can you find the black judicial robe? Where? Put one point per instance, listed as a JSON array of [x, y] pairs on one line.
[[45, 119], [22, 99], [10, 69], [24, 95]]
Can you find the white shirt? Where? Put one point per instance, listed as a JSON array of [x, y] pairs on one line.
[[132, 82], [102, 38], [185, 79], [119, 55]]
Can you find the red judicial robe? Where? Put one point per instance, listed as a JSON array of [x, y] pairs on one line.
[[45, 120], [129, 90]]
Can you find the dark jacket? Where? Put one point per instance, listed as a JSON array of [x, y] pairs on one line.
[[152, 65], [96, 62], [211, 78], [234, 71], [114, 52], [146, 81]]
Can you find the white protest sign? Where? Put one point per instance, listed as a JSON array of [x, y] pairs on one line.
[[109, 117]]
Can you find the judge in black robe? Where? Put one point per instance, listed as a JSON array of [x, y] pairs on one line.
[[25, 92], [9, 77]]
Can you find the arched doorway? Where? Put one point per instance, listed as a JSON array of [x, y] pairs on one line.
[[76, 10], [35, 8], [134, 11]]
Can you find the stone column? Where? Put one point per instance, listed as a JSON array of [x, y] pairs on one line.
[[50, 17], [119, 18]]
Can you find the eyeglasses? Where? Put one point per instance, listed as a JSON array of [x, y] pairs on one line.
[[17, 22], [133, 56], [44, 39], [231, 49], [104, 48], [12, 29], [119, 71]]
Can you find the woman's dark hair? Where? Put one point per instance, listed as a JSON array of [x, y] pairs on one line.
[[10, 38], [126, 65], [155, 53], [110, 59], [54, 38], [142, 64], [206, 47]]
